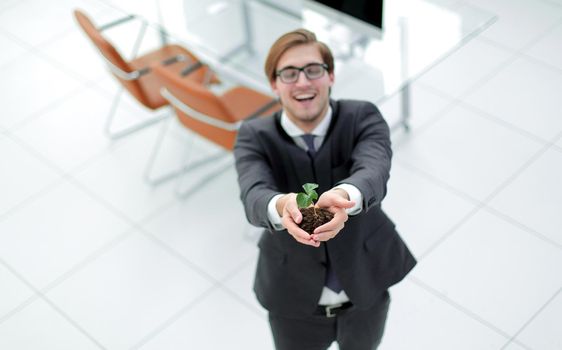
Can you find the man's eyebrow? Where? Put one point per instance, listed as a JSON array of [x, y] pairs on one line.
[[280, 69], [291, 66]]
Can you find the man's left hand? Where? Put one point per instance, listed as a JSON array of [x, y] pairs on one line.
[[335, 201]]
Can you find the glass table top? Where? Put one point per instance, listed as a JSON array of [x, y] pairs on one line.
[[234, 36]]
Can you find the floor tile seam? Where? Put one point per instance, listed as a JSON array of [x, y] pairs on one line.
[[520, 170], [512, 57], [74, 323], [37, 155], [47, 108], [34, 292], [242, 301], [174, 318], [223, 285], [436, 91], [430, 118], [461, 44], [532, 318], [501, 122], [413, 133], [99, 199], [498, 44], [86, 261], [242, 265], [62, 176], [515, 341], [179, 257], [39, 296], [522, 48], [471, 314], [54, 36], [61, 66], [455, 49], [184, 259], [533, 232], [477, 206], [23, 203], [18, 308], [82, 86], [541, 35], [12, 60], [43, 293], [175, 200], [540, 62], [459, 100], [37, 51], [137, 224], [68, 176], [439, 183], [76, 268], [98, 156], [556, 148], [15, 38], [449, 233]]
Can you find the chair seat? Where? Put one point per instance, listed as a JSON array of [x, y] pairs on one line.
[[243, 102], [150, 83]]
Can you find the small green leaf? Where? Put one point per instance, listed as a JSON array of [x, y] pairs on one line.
[[309, 188], [303, 200], [313, 196]]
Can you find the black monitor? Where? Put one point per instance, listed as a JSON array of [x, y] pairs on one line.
[[363, 15]]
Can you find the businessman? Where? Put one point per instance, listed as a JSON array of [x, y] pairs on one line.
[[331, 285]]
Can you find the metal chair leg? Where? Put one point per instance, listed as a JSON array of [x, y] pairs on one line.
[[184, 168], [114, 135], [183, 193]]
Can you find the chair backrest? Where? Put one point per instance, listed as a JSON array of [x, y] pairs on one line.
[[111, 55], [200, 99]]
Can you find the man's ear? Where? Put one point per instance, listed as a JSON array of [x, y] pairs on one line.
[[273, 85]]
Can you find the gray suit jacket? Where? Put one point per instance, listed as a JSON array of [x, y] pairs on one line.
[[368, 255]]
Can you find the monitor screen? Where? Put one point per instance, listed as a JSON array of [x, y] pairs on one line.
[[368, 11], [364, 14]]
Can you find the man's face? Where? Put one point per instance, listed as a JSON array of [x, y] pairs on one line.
[[305, 101]]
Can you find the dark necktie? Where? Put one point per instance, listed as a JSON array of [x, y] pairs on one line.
[[309, 140], [331, 278]]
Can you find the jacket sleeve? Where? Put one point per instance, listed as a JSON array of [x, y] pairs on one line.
[[371, 155], [255, 178]]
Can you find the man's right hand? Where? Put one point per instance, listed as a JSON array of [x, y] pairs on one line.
[[290, 218]]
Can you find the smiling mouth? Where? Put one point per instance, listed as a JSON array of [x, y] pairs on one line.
[[305, 97]]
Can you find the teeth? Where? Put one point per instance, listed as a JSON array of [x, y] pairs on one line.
[[304, 97]]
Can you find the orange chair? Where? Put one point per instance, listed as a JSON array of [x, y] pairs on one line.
[[136, 75], [214, 117]]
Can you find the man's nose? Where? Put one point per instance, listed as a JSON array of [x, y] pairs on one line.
[[302, 79]]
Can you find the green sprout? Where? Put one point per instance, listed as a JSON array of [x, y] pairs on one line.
[[304, 200]]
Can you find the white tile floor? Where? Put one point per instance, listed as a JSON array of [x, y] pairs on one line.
[[93, 258]]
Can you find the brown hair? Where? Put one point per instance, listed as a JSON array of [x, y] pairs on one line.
[[290, 40]]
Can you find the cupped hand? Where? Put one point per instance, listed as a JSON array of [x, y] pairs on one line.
[[291, 217], [335, 201]]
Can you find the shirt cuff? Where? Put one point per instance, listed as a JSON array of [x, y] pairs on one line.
[[355, 196], [272, 213]]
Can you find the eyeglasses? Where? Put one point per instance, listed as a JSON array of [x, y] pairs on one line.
[[312, 71]]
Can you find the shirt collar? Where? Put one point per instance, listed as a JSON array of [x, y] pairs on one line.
[[294, 131]]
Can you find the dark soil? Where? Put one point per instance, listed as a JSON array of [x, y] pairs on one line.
[[313, 217]]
